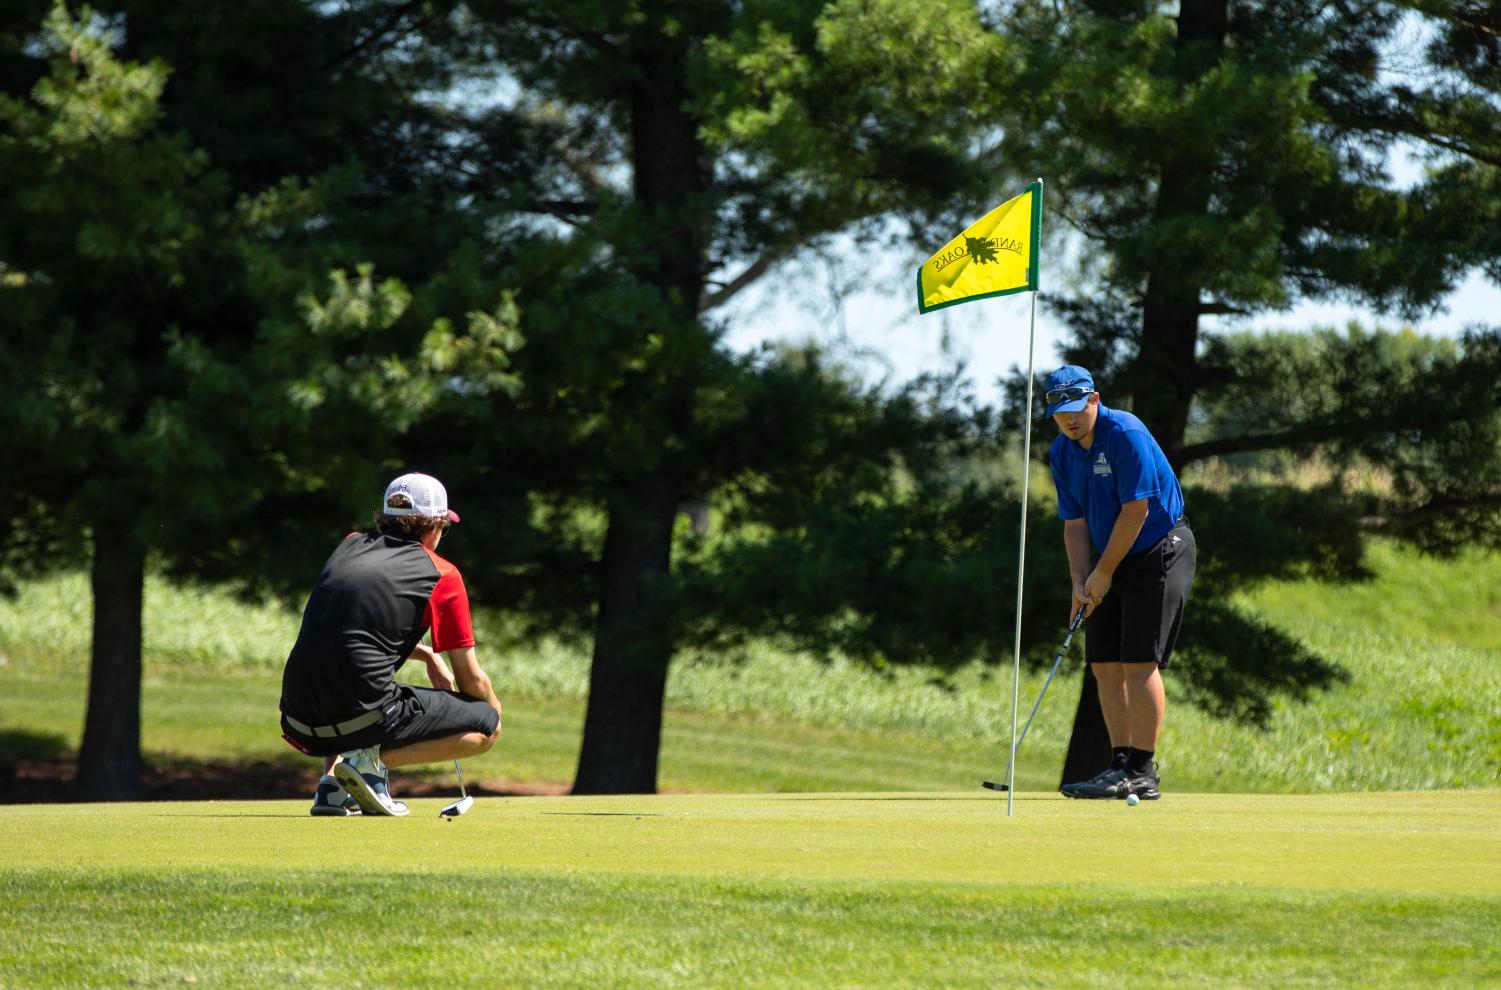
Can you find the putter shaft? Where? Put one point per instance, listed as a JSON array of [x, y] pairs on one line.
[[1073, 627]]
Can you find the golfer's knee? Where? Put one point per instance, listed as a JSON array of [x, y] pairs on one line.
[[483, 742], [1108, 673]]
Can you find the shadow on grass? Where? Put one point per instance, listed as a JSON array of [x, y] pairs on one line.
[[39, 745], [51, 778]]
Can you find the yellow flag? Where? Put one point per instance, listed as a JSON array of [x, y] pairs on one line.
[[996, 256]]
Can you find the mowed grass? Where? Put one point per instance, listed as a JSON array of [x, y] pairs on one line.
[[1421, 644], [867, 890], [908, 876]]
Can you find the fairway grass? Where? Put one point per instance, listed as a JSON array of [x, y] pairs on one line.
[[815, 890]]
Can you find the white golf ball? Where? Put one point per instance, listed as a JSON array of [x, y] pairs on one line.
[[1133, 800]]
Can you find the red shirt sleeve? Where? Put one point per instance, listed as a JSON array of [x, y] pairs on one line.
[[447, 611]]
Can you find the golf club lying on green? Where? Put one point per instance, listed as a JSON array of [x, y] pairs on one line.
[[463, 804], [1072, 628]]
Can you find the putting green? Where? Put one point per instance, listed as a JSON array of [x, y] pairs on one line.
[[1420, 842], [813, 890]]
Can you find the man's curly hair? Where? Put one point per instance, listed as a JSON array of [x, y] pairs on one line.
[[410, 527]]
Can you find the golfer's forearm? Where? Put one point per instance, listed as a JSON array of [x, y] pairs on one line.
[[479, 687], [1076, 543], [1127, 528], [471, 677], [474, 684]]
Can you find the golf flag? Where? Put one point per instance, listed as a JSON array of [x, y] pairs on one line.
[[996, 256]]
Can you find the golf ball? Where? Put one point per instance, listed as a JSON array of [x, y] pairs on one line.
[[1133, 800]]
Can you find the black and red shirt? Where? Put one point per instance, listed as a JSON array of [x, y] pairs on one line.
[[377, 597]]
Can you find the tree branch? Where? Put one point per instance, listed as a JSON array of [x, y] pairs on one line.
[[566, 210], [1410, 125], [1403, 521], [1295, 437], [1481, 18], [1222, 309], [527, 13], [380, 32], [733, 288]]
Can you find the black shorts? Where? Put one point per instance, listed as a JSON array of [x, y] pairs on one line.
[[417, 714], [1139, 618]]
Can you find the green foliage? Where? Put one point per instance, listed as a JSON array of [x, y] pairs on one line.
[[1252, 166], [1105, 100], [1421, 413], [255, 259], [827, 113], [1226, 158], [165, 265], [149, 388], [623, 376], [107, 215]]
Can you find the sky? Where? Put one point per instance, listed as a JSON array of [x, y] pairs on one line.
[[878, 328]]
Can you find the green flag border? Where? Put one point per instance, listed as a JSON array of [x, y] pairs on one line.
[[1032, 267]]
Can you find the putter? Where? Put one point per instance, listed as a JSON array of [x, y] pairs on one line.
[[1072, 628], [464, 803]]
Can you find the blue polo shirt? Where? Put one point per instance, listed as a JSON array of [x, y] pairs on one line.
[[1122, 465]]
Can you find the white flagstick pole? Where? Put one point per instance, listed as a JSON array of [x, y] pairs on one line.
[[1021, 561]]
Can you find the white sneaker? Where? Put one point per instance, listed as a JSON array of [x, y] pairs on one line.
[[364, 776]]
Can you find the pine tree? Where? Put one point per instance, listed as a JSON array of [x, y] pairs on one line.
[[1235, 158]]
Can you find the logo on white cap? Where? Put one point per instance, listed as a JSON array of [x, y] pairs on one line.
[[429, 497]]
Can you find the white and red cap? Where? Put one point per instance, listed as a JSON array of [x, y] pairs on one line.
[[429, 497]]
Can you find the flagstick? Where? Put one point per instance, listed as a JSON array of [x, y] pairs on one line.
[[1021, 562], [935, 291]]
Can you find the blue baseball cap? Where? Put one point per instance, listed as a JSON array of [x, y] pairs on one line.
[[1069, 389]]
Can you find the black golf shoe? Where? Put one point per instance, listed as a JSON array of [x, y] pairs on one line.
[[1144, 784], [1106, 784]]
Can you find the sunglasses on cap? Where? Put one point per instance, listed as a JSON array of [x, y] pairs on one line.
[[1068, 394]]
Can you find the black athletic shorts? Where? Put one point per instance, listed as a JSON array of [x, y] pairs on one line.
[[418, 713], [1138, 620]]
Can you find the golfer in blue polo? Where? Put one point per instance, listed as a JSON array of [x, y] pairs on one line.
[[1131, 560]]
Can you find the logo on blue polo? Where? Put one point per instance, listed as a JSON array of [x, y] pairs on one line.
[[1102, 466]]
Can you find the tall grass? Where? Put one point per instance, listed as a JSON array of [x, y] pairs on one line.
[[1422, 708], [50, 621], [198, 628]]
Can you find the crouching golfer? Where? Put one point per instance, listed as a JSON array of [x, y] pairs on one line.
[[1131, 556], [377, 596]]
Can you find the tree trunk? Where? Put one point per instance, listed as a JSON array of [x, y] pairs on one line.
[[1163, 377], [633, 640], [632, 646], [1163, 381], [109, 759]]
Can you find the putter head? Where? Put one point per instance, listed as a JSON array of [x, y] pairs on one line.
[[457, 808], [992, 785]]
